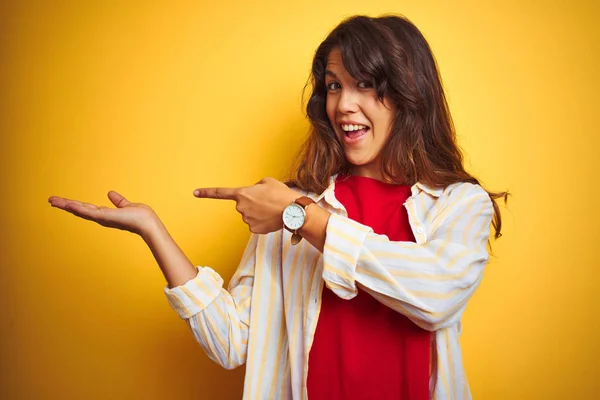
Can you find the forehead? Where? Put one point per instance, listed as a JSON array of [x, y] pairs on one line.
[[335, 63]]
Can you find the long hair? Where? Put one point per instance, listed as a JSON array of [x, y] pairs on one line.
[[392, 54]]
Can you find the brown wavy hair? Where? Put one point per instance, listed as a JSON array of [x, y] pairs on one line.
[[392, 54]]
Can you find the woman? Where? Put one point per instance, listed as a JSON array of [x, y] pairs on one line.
[[385, 238]]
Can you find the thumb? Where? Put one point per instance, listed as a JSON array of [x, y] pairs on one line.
[[118, 200]]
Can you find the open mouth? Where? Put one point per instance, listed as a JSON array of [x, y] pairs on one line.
[[354, 131]]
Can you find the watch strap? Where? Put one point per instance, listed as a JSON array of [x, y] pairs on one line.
[[296, 238], [304, 201]]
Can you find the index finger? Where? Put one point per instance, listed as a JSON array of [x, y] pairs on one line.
[[217, 193]]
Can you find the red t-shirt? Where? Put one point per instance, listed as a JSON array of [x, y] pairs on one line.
[[363, 349]]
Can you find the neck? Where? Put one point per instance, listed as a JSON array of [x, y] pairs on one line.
[[367, 171]]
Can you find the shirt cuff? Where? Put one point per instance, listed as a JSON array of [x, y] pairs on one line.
[[196, 294], [343, 242]]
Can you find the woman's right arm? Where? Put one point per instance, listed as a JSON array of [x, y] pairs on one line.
[[219, 319], [173, 263]]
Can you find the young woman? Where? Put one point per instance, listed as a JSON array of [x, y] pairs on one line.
[[356, 276]]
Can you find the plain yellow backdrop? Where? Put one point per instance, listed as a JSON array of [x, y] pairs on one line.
[[154, 99]]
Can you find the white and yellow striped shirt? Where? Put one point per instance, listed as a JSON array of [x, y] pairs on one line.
[[268, 316]]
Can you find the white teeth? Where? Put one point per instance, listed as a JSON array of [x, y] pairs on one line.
[[350, 128]]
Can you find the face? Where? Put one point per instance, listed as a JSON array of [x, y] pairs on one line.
[[361, 122]]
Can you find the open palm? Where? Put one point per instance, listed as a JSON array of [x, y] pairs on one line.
[[132, 217]]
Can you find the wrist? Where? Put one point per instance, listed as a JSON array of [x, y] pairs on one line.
[[295, 216], [290, 198], [152, 228]]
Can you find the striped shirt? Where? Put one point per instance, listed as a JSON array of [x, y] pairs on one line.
[[268, 315]]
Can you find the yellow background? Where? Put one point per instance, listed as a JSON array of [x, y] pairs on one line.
[[154, 99]]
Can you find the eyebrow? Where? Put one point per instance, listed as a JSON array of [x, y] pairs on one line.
[[330, 73]]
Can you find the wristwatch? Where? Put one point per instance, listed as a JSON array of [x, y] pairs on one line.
[[294, 217]]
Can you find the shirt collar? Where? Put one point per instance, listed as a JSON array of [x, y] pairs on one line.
[[435, 192], [328, 194]]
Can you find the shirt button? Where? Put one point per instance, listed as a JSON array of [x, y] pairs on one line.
[[420, 229]]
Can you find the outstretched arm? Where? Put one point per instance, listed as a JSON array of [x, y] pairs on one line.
[[218, 319]]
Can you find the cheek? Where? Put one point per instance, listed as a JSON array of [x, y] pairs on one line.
[[390, 111], [330, 109], [384, 119]]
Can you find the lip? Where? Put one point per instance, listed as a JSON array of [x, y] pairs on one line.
[[352, 141], [345, 138]]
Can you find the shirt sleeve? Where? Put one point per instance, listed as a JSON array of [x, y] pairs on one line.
[[429, 282], [219, 318]]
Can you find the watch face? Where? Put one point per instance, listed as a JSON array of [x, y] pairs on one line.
[[294, 216]]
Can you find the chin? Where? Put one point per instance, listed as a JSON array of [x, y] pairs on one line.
[[358, 160]]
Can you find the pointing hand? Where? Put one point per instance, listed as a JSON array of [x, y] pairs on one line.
[[261, 205]]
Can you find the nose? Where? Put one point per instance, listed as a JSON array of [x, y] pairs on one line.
[[348, 102]]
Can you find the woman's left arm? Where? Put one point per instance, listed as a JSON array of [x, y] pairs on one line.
[[429, 282]]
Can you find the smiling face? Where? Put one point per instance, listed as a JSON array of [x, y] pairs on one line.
[[360, 121]]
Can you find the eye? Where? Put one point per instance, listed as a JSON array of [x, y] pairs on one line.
[[364, 85], [332, 86]]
